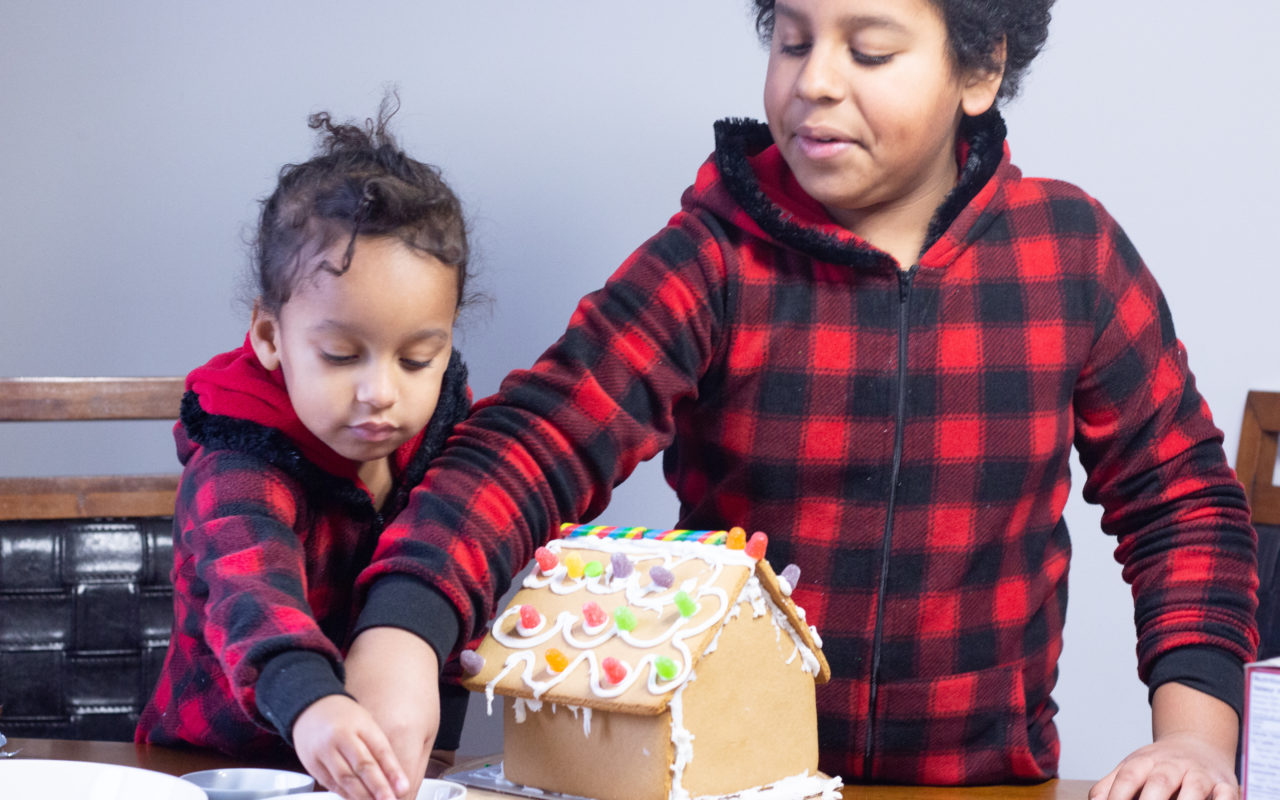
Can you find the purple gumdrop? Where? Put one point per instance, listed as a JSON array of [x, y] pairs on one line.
[[621, 566], [791, 575], [471, 661], [661, 576]]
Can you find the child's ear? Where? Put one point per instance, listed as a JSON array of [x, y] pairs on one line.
[[982, 86], [264, 336]]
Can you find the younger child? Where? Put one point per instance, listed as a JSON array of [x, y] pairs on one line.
[[867, 334], [298, 446]]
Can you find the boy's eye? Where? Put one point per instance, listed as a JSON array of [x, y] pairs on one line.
[[336, 358], [868, 60], [798, 49], [412, 364]]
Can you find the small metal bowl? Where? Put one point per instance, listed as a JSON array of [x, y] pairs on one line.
[[250, 784]]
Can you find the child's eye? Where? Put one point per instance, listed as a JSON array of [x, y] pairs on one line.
[[794, 49], [868, 60], [411, 364], [335, 358]]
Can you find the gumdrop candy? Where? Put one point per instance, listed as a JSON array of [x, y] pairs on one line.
[[625, 618], [471, 662], [661, 576], [622, 567], [547, 560], [791, 575], [593, 569], [556, 660], [573, 563], [685, 603], [614, 670], [756, 545], [529, 617], [594, 615], [665, 667], [737, 538]]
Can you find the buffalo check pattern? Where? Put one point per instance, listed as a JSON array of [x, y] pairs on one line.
[[902, 435]]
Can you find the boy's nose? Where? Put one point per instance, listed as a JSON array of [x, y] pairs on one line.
[[820, 78], [377, 387]]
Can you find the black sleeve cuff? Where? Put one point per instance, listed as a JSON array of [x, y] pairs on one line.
[[402, 601], [292, 681], [1207, 669]]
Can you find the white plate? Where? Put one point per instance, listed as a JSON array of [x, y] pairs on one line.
[[42, 779], [432, 789]]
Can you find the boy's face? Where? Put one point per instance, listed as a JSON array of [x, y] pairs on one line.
[[863, 101], [364, 353]]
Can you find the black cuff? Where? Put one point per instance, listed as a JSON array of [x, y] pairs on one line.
[[292, 681], [402, 601], [453, 713], [1215, 672]]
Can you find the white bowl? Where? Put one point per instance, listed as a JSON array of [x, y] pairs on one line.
[[250, 783], [431, 790], [46, 779]]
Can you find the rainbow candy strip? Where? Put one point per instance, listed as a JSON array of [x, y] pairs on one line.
[[571, 531]]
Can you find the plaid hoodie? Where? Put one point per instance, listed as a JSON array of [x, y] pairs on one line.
[[902, 435], [271, 529]]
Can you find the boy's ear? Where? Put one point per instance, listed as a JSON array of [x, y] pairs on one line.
[[982, 86], [264, 337]]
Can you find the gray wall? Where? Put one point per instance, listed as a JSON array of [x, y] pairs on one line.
[[137, 138]]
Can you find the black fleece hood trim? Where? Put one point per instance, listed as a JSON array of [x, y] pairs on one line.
[[738, 139], [219, 432]]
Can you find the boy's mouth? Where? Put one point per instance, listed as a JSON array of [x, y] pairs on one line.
[[374, 431], [821, 142]]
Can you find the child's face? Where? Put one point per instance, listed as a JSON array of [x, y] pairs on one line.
[[364, 353], [863, 101]]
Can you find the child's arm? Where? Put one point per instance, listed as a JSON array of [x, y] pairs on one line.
[[1193, 754], [394, 674], [342, 747]]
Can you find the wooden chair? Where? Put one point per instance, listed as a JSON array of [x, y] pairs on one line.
[[1255, 467], [85, 598]]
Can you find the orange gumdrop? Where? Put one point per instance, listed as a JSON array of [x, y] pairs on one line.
[[556, 660], [737, 538]]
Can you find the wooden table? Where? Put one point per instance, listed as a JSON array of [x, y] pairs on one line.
[[177, 762]]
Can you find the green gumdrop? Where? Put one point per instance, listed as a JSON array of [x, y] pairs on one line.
[[665, 667], [625, 619], [685, 603], [593, 569]]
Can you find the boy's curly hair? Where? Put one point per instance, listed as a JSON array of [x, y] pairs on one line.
[[975, 29], [361, 184]]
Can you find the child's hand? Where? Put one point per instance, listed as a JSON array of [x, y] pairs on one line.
[[342, 747], [1193, 755], [394, 675]]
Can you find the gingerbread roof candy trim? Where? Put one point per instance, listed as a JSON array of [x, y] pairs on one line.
[[619, 617]]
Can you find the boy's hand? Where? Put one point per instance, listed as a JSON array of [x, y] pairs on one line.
[[342, 747], [1193, 755], [394, 674]]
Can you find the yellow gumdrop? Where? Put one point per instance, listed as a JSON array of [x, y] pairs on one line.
[[573, 563]]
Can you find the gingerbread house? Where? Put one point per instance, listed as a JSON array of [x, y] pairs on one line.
[[655, 665]]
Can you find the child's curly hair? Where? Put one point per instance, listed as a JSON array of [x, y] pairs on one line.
[[975, 29], [361, 184]]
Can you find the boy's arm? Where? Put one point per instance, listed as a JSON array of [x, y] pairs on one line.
[[558, 437], [1192, 755], [394, 675]]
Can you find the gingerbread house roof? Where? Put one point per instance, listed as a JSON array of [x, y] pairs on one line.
[[618, 618]]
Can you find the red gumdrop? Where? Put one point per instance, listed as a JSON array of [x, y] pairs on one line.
[[614, 670], [547, 560], [594, 614], [756, 545], [529, 616]]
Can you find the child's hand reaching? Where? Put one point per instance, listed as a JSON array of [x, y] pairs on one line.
[[394, 674], [343, 748]]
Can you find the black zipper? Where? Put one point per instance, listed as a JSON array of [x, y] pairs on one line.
[[905, 280]]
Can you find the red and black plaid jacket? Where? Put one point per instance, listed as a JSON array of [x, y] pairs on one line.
[[902, 435], [271, 530]]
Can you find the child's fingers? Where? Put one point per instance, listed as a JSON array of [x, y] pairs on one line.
[[389, 766], [362, 775]]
